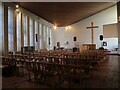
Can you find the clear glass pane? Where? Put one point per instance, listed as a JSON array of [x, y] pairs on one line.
[[44, 36], [31, 32], [41, 43], [10, 29], [36, 35], [51, 40], [18, 31], [25, 30], [47, 37]]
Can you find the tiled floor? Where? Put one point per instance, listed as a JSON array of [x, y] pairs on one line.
[[105, 77]]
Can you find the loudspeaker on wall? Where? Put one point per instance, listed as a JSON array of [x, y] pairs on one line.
[[101, 37], [36, 38], [49, 40], [74, 38]]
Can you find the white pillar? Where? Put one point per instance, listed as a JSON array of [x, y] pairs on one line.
[[118, 11]]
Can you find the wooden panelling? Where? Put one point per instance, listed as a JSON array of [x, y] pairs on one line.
[[64, 13]]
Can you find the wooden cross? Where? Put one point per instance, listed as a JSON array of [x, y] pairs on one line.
[[92, 33]]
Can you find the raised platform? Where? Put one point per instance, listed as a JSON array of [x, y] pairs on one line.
[[113, 53]]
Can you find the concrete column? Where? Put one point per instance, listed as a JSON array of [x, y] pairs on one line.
[[118, 11], [5, 51]]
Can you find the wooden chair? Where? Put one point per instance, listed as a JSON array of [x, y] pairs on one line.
[[29, 69], [19, 66], [75, 75], [49, 74]]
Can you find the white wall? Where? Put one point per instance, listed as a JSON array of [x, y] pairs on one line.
[[112, 43], [83, 35], [62, 35]]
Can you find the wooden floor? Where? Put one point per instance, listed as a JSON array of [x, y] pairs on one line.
[[107, 76]]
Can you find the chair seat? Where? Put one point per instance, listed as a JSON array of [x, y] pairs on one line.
[[19, 65]]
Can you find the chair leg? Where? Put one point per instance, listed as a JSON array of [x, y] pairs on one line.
[[29, 78], [69, 82]]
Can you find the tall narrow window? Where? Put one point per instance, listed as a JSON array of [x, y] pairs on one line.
[[25, 30], [18, 31], [10, 29], [36, 35], [44, 37], [1, 24], [31, 31], [51, 40], [47, 38], [41, 43]]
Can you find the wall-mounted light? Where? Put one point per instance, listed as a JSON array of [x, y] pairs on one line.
[[68, 27], [17, 6], [55, 27]]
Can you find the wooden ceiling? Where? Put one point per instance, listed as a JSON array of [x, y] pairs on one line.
[[65, 13]]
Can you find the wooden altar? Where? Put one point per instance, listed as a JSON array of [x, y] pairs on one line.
[[88, 47]]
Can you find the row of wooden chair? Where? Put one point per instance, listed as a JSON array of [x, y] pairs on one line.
[[59, 66], [43, 71]]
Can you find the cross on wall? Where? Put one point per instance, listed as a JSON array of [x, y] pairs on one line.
[[92, 32]]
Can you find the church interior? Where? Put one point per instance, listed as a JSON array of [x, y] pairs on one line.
[[59, 45]]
